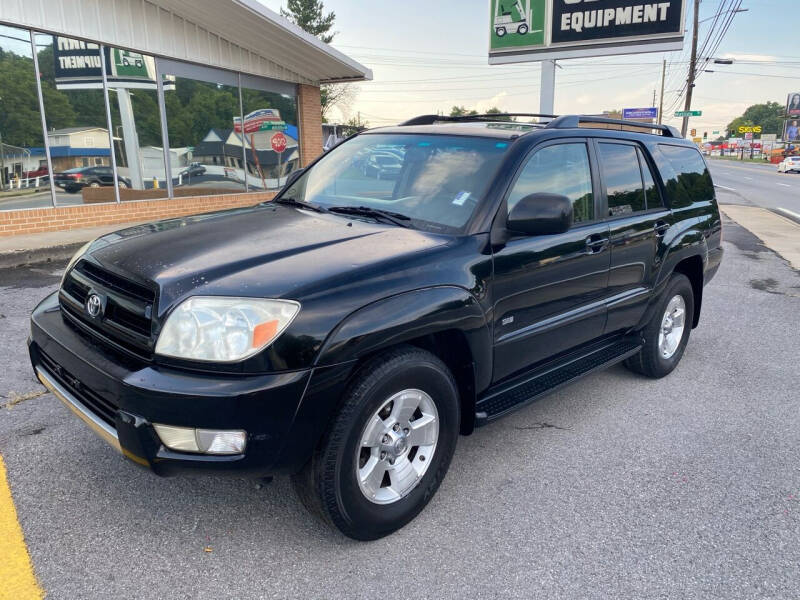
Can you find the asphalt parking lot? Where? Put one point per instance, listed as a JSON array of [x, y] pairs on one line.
[[616, 487]]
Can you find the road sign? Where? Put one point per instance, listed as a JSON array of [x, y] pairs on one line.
[[278, 142], [640, 113], [263, 119], [715, 133], [688, 113]]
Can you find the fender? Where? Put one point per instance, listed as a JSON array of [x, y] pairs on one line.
[[684, 244], [410, 316]]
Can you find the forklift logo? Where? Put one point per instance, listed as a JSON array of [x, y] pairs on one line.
[[517, 23]]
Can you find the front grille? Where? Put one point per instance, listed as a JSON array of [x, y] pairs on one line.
[[104, 408], [127, 319]]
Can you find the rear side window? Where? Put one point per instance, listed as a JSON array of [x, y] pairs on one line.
[[685, 175], [622, 179], [558, 169]]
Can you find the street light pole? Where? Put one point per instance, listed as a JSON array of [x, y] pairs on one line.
[[692, 68], [661, 100]]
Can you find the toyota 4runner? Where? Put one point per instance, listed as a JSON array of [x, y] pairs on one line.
[[349, 330]]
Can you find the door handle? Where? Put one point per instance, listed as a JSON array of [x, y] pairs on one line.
[[595, 244], [661, 228]]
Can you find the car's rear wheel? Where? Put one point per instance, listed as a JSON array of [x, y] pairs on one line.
[[388, 448], [667, 333]]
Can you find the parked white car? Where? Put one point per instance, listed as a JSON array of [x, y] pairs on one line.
[[789, 164]]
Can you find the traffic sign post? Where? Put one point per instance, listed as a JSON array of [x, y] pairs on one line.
[[688, 113], [278, 143]]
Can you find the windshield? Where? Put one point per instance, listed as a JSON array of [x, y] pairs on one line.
[[435, 180]]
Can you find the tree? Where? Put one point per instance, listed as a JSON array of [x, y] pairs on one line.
[[308, 16], [496, 111], [769, 116], [460, 111], [335, 94]]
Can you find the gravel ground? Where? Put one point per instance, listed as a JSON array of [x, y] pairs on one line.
[[616, 487]]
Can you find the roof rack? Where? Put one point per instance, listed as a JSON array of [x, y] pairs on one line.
[[431, 119], [574, 121]]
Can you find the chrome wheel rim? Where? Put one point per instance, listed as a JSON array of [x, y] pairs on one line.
[[672, 326], [396, 446]]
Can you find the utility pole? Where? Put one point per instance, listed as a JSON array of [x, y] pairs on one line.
[[654, 98], [661, 101], [692, 69]]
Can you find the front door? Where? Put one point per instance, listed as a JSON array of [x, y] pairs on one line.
[[549, 290], [638, 222]]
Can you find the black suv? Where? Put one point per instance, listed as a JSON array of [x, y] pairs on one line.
[[74, 180], [348, 331]]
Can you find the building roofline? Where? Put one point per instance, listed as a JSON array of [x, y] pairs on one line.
[[265, 13]]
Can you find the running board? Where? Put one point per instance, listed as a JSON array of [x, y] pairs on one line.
[[532, 386]]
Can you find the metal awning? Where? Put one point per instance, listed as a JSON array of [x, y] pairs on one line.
[[240, 35]]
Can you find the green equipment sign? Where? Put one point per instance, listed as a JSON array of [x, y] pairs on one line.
[[688, 113], [516, 23]]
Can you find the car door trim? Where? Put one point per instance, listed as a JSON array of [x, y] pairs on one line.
[[576, 314]]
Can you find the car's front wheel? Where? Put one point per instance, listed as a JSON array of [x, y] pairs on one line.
[[388, 448], [667, 333]]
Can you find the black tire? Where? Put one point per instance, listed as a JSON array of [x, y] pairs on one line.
[[522, 29], [650, 361], [328, 485], [500, 31]]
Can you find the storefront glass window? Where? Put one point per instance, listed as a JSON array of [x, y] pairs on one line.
[[205, 151], [24, 177], [272, 149], [136, 124], [75, 113]]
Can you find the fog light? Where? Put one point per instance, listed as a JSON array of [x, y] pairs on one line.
[[202, 441]]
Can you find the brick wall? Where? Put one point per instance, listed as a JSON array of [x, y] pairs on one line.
[[309, 112], [38, 220]]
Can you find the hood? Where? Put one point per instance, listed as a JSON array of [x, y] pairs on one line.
[[268, 250]]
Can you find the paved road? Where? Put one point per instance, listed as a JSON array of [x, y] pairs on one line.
[[616, 487], [755, 184]]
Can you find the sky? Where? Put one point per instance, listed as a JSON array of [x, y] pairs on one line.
[[429, 56]]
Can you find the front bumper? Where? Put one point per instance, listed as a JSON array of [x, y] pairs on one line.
[[120, 397]]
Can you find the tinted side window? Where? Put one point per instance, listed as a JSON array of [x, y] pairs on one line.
[[685, 175], [560, 169], [622, 178], [651, 195]]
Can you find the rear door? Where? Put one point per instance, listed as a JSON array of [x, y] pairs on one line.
[[104, 174], [549, 290], [638, 221]]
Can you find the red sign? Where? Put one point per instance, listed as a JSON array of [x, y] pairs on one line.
[[278, 142]]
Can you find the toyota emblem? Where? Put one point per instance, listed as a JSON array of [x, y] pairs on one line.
[[94, 305]]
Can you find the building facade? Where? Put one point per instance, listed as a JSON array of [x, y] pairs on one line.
[[193, 105]]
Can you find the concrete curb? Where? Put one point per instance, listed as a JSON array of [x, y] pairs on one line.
[[21, 258]]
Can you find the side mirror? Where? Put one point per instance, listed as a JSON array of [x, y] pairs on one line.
[[292, 177], [541, 214]]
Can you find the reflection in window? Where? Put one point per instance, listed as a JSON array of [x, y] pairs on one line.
[[685, 176], [561, 169], [652, 196], [77, 130], [136, 124], [205, 151], [622, 178], [24, 177], [269, 115]]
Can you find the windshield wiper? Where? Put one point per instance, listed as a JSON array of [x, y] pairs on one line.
[[299, 204], [375, 213]]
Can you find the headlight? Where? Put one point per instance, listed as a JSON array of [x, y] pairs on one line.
[[220, 329], [75, 258]]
